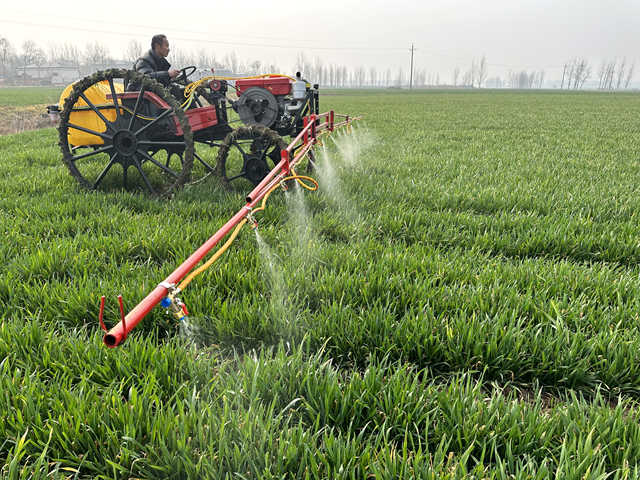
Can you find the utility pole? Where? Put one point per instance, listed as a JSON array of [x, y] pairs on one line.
[[563, 70], [411, 71]]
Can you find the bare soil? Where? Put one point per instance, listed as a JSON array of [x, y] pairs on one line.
[[24, 118]]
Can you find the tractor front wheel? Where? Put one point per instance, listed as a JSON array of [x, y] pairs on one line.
[[247, 155]]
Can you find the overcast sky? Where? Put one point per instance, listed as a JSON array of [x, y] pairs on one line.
[[519, 34]]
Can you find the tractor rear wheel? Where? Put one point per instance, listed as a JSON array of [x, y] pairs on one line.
[[121, 137], [248, 154]]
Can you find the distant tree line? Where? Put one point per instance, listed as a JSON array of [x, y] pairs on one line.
[[615, 74], [612, 74]]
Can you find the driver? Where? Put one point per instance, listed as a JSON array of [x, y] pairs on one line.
[[153, 63]]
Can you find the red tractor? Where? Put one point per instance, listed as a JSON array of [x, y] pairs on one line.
[[105, 130]]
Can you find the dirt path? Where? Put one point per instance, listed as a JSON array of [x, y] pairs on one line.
[[21, 119]]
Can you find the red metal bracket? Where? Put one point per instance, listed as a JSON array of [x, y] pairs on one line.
[[305, 122], [284, 157], [314, 137], [102, 314]]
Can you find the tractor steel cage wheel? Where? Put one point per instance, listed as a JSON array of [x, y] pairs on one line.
[[244, 152], [162, 165]]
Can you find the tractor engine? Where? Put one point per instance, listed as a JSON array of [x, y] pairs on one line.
[[275, 102]]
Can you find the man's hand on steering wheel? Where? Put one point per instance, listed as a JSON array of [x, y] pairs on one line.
[[182, 75]]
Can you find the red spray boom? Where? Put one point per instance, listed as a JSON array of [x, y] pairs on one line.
[[314, 125]]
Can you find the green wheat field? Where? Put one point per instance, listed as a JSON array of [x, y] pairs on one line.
[[459, 299]]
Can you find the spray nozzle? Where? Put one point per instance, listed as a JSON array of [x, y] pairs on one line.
[[174, 305], [250, 218]]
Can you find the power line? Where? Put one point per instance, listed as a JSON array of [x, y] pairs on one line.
[[460, 56], [128, 25], [428, 50], [217, 42]]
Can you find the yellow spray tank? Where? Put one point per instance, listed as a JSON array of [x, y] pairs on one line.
[[83, 116]]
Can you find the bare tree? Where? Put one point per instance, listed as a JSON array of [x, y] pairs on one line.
[[72, 55], [340, 76], [582, 72], [481, 71], [360, 74], [181, 58], [541, 75], [205, 60], [65, 54], [319, 70], [254, 67], [7, 57], [243, 67], [579, 71], [621, 72], [456, 73], [302, 64], [474, 67], [96, 55], [494, 82], [39, 60], [133, 51], [104, 55], [55, 51], [570, 72], [629, 76], [387, 77], [231, 62], [30, 54], [611, 68], [400, 80], [523, 79], [601, 73], [467, 79], [373, 76], [422, 77]]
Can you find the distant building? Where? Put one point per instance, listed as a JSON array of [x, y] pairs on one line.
[[49, 73]]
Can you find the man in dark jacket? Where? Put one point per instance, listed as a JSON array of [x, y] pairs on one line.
[[153, 63]]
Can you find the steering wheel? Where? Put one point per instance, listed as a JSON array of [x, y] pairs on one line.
[[184, 74]]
